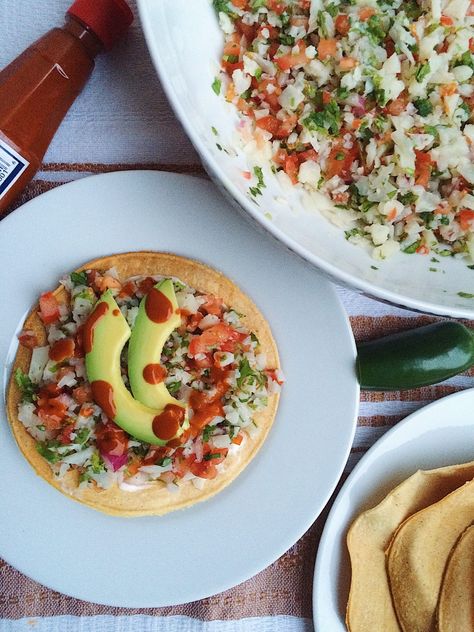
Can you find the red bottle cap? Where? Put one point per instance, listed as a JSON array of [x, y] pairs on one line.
[[108, 19]]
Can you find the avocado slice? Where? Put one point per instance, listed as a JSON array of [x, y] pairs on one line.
[[105, 334], [157, 317]]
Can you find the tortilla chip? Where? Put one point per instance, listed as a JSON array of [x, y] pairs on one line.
[[418, 554], [456, 601], [369, 607], [155, 500]]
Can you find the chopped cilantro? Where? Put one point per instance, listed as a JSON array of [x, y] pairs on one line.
[[286, 39], [216, 85], [374, 267], [82, 435], [339, 155], [254, 191], [79, 278], [174, 387], [408, 198], [375, 29], [380, 96], [259, 175], [327, 121], [409, 250], [427, 217], [257, 4], [471, 267], [214, 131], [245, 371], [444, 220], [222, 6], [466, 59], [164, 461], [97, 464], [412, 9], [465, 295], [424, 106], [422, 71], [258, 74], [432, 129], [354, 232], [44, 448], [209, 456], [207, 432], [332, 9], [27, 387]]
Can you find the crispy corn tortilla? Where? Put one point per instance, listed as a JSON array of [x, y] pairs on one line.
[[155, 500], [456, 600], [418, 554], [370, 603]]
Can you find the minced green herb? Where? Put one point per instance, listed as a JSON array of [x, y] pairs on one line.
[[79, 278], [216, 85], [27, 387]]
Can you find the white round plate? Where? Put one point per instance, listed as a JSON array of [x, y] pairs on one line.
[[439, 434], [186, 44], [187, 555]]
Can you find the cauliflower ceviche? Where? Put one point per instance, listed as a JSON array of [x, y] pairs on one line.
[[212, 362], [368, 102]]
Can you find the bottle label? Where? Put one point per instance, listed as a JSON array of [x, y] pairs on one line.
[[12, 165]]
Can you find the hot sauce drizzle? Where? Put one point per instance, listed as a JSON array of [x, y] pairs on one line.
[[99, 312], [62, 349], [103, 394], [154, 373], [166, 425], [157, 306]]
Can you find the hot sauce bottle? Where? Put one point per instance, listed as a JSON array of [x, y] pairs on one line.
[[38, 88]]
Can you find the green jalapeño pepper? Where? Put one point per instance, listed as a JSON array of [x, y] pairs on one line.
[[414, 358]]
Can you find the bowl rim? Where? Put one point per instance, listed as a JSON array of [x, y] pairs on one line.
[[211, 165]]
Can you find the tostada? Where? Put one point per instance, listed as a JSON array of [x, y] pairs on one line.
[[143, 384]]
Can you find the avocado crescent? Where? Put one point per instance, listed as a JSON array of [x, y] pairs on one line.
[[105, 334]]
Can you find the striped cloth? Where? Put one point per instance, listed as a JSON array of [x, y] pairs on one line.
[[128, 124]]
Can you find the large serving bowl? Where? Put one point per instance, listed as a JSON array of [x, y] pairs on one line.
[[185, 43]]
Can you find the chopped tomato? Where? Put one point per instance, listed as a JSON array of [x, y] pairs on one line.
[[240, 4], [28, 339], [155, 454], [107, 282], [213, 337], [49, 308], [448, 89], [445, 20], [62, 349], [307, 154], [327, 48], [340, 161], [206, 414], [278, 6], [111, 439], [423, 167], [64, 436], [127, 290], [192, 321], [341, 197], [423, 250], [248, 30], [237, 440], [342, 24], [365, 13], [471, 44], [398, 105], [269, 123], [347, 63], [146, 284], [231, 57], [290, 60], [272, 374], [51, 411], [292, 167], [270, 91], [466, 219], [213, 305], [207, 467], [203, 363], [134, 466]]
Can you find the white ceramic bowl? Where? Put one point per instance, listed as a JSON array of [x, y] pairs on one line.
[[186, 44]]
